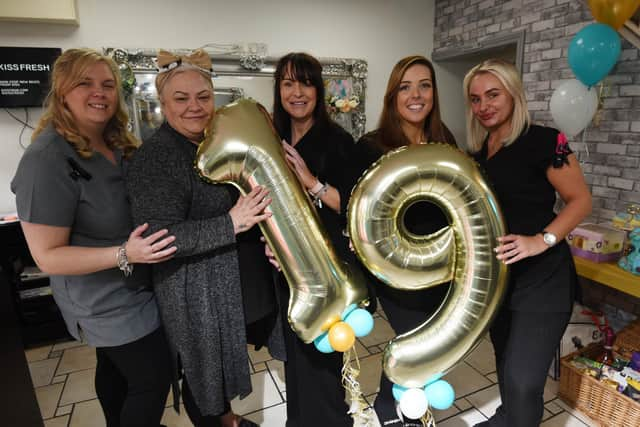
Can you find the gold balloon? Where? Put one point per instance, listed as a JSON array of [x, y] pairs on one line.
[[448, 178], [244, 149], [613, 12]]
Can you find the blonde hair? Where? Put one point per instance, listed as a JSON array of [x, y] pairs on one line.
[[510, 79], [163, 78], [68, 71]]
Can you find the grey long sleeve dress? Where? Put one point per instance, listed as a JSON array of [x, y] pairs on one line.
[[198, 290]]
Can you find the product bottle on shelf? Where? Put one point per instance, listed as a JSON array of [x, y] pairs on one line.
[[606, 357]]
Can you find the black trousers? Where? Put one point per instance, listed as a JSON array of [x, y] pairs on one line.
[[315, 396], [405, 310], [524, 343], [132, 381]]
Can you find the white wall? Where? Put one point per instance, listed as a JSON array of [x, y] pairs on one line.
[[379, 31], [450, 76]]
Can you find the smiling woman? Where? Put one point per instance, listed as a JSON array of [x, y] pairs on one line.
[[187, 104], [318, 151], [526, 164], [74, 211], [93, 100], [410, 115], [199, 291]]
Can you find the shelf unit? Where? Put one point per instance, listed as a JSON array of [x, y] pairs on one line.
[[609, 274]]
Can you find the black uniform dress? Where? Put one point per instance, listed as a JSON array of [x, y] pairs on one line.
[[315, 396], [405, 310], [541, 289]]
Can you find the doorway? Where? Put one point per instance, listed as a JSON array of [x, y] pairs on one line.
[[452, 65]]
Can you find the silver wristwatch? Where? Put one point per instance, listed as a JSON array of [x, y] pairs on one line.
[[123, 261], [549, 238]]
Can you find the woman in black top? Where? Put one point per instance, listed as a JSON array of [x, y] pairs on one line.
[[527, 165], [318, 151], [410, 115]]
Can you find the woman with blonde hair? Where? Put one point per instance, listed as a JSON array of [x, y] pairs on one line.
[[199, 291], [527, 164], [74, 212], [410, 115]]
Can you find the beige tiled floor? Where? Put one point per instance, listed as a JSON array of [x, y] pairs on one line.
[[63, 379]]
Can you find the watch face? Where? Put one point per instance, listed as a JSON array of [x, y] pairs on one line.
[[549, 238]]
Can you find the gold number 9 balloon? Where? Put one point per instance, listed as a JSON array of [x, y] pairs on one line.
[[244, 149], [451, 180]]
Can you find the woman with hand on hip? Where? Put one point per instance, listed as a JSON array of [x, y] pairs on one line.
[[73, 208], [410, 115], [199, 290], [527, 164]]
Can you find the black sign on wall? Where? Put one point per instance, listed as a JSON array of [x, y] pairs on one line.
[[24, 75]]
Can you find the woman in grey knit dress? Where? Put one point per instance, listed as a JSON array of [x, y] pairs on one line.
[[199, 290]]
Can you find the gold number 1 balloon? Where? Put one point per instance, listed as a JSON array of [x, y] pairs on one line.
[[448, 178], [244, 149]]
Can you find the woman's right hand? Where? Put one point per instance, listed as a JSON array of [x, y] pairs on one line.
[[270, 255], [151, 249], [249, 209]]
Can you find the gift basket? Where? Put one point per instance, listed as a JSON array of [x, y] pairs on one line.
[[602, 380]]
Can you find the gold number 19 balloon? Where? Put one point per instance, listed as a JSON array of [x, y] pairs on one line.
[[451, 180], [244, 149]]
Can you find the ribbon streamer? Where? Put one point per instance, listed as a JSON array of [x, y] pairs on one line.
[[362, 414]]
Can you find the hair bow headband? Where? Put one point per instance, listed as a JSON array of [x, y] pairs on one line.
[[167, 61]]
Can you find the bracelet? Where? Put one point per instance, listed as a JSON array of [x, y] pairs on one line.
[[317, 197], [123, 261], [316, 188]]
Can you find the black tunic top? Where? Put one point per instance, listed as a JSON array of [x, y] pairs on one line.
[[518, 173], [327, 150]]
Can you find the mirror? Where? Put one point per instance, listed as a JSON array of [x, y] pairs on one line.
[[236, 76]]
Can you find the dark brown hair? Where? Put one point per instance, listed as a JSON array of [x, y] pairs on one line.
[[390, 134], [300, 67]]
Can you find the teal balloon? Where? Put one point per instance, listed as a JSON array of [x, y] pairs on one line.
[[440, 394], [361, 321], [348, 310], [434, 378], [397, 390], [593, 52], [322, 344]]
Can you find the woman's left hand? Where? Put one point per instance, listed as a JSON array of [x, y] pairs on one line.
[[299, 166], [514, 247]]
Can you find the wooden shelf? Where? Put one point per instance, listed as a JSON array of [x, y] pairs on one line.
[[609, 274], [45, 11]]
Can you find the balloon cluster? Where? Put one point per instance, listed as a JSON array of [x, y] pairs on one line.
[[593, 52], [414, 402], [341, 333]]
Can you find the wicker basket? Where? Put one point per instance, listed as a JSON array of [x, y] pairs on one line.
[[588, 395], [628, 340]]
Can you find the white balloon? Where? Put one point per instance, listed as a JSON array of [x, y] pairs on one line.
[[573, 106], [414, 403]]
